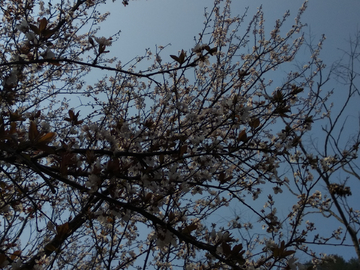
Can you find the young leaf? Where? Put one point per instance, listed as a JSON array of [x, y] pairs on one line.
[[33, 132], [42, 24], [188, 229], [48, 137], [183, 150], [175, 58], [35, 29], [182, 57], [63, 229], [254, 123], [242, 136]]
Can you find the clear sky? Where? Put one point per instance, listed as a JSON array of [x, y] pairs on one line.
[[144, 24]]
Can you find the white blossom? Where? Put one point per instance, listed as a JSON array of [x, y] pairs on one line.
[[103, 41]]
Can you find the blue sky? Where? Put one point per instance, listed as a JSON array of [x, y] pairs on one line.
[[145, 24]]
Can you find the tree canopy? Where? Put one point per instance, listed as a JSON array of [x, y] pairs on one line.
[[336, 262], [136, 176]]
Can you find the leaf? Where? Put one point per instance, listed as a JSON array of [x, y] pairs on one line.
[[206, 47], [16, 116], [254, 123], [226, 248], [45, 148], [177, 59], [278, 96], [35, 29], [63, 229], [33, 132], [13, 128], [42, 24], [15, 254], [48, 33], [242, 136], [188, 229], [73, 118], [161, 159], [172, 216], [296, 90], [183, 150], [287, 253], [222, 177], [102, 48], [91, 41], [182, 57], [213, 51], [282, 110], [3, 258], [280, 252], [50, 247], [236, 249], [48, 137]]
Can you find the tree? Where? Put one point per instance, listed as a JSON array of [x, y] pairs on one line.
[[332, 161], [338, 262], [135, 177]]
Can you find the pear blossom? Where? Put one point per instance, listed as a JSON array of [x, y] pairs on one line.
[[23, 26], [103, 41]]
